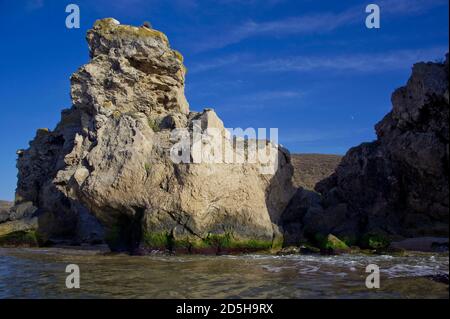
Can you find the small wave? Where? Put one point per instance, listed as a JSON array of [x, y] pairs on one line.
[[308, 269], [336, 274], [272, 268], [404, 270]]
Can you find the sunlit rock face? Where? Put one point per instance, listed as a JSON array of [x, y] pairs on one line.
[[107, 173]]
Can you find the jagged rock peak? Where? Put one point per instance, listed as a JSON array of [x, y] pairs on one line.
[[133, 69], [109, 33]]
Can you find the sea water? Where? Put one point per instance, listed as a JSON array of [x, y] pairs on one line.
[[40, 273]]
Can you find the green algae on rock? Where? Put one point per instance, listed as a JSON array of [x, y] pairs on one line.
[[112, 29], [210, 244], [375, 241], [27, 238], [332, 244]]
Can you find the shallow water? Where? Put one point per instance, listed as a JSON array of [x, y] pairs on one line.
[[40, 273]]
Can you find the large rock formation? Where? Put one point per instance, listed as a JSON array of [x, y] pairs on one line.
[[107, 172], [394, 187]]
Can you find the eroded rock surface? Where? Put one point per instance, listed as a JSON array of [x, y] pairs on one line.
[[105, 171]]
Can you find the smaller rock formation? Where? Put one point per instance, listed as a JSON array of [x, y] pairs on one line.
[[17, 224], [332, 245], [395, 187], [4, 210], [427, 244]]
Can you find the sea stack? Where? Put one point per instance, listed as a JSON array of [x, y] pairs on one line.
[[105, 173]]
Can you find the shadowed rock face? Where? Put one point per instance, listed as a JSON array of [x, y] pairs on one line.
[[396, 186], [105, 171]]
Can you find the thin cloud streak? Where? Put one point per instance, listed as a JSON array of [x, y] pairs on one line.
[[34, 5], [357, 62], [313, 136], [315, 23], [262, 100], [217, 63], [271, 95], [371, 63], [266, 3]]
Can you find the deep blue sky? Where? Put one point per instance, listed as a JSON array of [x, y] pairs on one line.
[[310, 68]]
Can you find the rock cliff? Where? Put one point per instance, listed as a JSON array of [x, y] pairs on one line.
[[394, 187], [107, 172]]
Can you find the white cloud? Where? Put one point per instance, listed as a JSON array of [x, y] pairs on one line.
[[363, 62], [405, 7], [216, 63], [306, 136], [263, 99], [34, 4], [271, 95], [354, 62], [323, 22], [311, 23]]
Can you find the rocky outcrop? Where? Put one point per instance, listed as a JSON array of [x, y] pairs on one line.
[[19, 218], [4, 210], [107, 171], [426, 244], [394, 187]]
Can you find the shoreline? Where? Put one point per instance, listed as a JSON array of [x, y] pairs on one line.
[[405, 248]]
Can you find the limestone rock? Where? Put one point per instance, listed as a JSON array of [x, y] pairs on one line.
[[14, 226], [17, 224], [22, 210], [106, 171], [5, 206]]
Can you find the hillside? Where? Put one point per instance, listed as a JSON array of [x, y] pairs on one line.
[[312, 168]]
